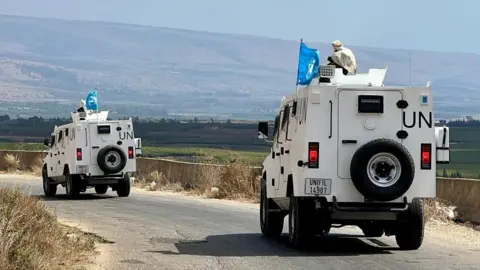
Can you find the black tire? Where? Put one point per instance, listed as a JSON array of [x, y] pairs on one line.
[[72, 185], [411, 226], [372, 230], [271, 223], [49, 189], [109, 154], [360, 176], [124, 186], [101, 189], [301, 223]]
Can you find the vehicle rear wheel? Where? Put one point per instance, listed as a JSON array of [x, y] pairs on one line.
[[101, 189], [411, 225], [301, 223], [111, 159], [271, 223], [382, 170], [72, 185], [123, 186], [49, 188]]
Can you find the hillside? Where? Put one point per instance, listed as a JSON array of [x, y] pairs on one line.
[[149, 71]]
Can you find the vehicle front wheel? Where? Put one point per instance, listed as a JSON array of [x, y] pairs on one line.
[[271, 222], [49, 188]]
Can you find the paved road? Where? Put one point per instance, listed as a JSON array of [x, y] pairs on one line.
[[151, 230]]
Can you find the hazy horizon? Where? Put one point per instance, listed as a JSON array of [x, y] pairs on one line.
[[395, 24]]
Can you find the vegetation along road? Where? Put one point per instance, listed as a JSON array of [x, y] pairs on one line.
[[157, 230], [220, 142]]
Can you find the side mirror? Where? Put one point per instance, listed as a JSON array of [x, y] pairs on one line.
[[46, 142], [262, 130]]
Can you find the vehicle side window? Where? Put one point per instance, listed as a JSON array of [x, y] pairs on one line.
[[52, 141], [60, 136], [286, 116], [276, 125]]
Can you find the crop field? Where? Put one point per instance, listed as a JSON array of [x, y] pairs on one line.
[[464, 159]]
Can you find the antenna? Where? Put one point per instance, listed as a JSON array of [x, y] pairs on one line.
[[410, 68]]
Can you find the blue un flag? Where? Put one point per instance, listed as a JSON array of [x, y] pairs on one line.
[[91, 103], [308, 63]]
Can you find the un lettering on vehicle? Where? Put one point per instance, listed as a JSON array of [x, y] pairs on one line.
[[417, 119], [125, 135]]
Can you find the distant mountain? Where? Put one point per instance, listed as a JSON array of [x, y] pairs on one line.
[[150, 71]]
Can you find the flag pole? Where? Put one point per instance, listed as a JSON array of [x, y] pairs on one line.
[[96, 90], [298, 67]]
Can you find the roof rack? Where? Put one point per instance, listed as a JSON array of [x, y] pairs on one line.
[[90, 115], [329, 74]]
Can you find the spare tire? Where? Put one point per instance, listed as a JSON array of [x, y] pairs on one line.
[[111, 159], [382, 170]]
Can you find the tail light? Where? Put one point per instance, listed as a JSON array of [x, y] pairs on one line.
[[131, 153], [426, 156], [79, 153], [313, 154]]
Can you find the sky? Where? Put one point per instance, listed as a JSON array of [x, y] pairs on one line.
[[438, 25]]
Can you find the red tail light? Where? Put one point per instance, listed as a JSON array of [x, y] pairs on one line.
[[79, 153], [426, 156], [313, 154], [131, 153]]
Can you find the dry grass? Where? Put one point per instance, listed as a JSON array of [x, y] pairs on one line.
[[463, 194], [36, 167], [31, 237], [13, 165], [437, 209], [235, 180], [12, 162], [156, 180]]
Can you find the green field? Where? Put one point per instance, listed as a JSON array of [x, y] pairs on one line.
[[186, 153], [204, 154], [222, 143]]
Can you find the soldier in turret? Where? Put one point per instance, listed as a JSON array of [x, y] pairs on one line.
[[343, 58]]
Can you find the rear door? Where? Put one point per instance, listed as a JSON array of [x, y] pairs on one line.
[[365, 115], [101, 135]]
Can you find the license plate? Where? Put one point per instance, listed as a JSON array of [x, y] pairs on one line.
[[82, 168], [318, 186]]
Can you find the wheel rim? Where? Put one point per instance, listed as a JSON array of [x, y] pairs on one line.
[[384, 169], [112, 159]]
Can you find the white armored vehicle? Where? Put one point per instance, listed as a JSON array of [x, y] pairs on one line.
[[90, 152], [348, 150]]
